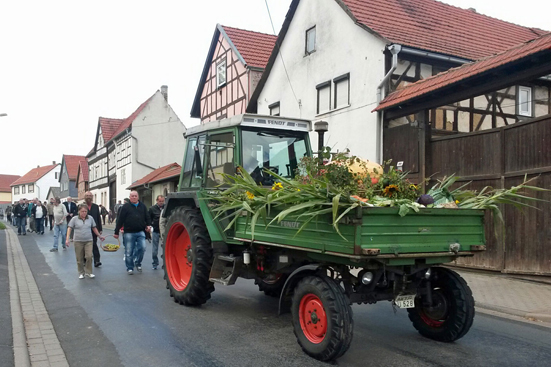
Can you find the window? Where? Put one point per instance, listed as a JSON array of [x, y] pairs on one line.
[[324, 97], [23, 188], [221, 74], [310, 40], [31, 188], [16, 190], [220, 154], [123, 176], [524, 101], [274, 109], [342, 90], [56, 175]]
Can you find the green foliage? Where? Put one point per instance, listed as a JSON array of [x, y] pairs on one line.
[[2, 226]]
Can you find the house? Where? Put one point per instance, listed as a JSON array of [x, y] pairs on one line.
[[68, 176], [5, 190], [128, 149], [159, 182], [53, 192], [499, 157], [81, 183], [234, 65], [36, 183], [336, 59]]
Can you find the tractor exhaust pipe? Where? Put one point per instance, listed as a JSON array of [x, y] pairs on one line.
[[320, 127]]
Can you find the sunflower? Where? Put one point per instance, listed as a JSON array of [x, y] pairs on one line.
[[413, 187], [277, 186], [250, 195], [390, 190]]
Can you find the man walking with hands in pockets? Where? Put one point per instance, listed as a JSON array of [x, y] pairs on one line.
[[134, 217]]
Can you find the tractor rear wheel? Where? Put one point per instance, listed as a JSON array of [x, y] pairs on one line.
[[188, 257], [451, 314], [322, 318]]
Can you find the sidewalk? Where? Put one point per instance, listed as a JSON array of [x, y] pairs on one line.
[[509, 295]]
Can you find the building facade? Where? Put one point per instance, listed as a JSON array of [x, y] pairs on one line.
[[36, 183], [68, 176]]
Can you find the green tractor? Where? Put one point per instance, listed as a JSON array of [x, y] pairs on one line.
[[316, 274]]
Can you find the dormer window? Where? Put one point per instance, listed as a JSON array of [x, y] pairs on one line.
[[221, 74], [310, 40]]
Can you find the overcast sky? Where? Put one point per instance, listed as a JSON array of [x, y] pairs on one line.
[[65, 63]]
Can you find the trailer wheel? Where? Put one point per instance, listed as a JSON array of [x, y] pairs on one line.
[[271, 287], [452, 312], [322, 318], [188, 257]]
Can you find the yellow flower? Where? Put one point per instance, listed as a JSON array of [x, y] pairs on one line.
[[414, 187], [390, 190], [457, 201], [277, 186], [250, 195]]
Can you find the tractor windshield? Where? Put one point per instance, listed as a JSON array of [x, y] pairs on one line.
[[278, 151]]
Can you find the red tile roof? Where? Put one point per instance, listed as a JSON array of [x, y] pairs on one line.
[[83, 167], [6, 181], [109, 126], [465, 71], [255, 47], [130, 119], [72, 162], [34, 175], [163, 173], [435, 26]]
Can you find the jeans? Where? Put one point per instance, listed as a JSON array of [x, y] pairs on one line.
[[135, 249], [60, 229], [155, 247], [21, 222], [51, 218], [39, 225]]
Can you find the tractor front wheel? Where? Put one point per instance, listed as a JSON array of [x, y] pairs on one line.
[[322, 318], [451, 313], [188, 257]]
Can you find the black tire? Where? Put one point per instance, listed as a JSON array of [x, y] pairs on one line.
[[311, 292], [452, 314], [271, 288], [187, 239]]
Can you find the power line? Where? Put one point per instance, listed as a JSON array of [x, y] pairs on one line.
[[280, 55]]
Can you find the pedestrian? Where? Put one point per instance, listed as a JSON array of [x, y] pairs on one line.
[[31, 222], [14, 217], [103, 212], [50, 208], [71, 209], [118, 207], [46, 214], [83, 226], [110, 216], [155, 215], [94, 212], [60, 224], [39, 212], [134, 217], [20, 213], [8, 213]]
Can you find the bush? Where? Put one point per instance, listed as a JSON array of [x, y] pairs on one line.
[[2, 225]]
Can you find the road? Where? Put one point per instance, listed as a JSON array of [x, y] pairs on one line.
[[121, 320]]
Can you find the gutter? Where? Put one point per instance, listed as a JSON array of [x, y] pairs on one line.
[[394, 49]]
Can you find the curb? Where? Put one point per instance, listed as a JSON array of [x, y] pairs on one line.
[[511, 311]]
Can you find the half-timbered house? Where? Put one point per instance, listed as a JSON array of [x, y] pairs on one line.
[[233, 67], [338, 58]]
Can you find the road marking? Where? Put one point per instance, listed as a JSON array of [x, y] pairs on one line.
[[35, 342]]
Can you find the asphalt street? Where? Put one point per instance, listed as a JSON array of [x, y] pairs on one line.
[[121, 320]]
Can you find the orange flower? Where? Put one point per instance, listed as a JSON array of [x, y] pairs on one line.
[[364, 200]]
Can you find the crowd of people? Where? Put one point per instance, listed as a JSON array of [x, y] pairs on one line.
[[82, 225]]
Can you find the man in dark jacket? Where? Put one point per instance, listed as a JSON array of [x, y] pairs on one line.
[[94, 212], [71, 211], [155, 214], [20, 213], [134, 217]]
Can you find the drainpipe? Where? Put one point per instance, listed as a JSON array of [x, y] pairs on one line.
[[394, 50], [137, 159]]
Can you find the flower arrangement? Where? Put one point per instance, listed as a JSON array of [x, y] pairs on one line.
[[343, 184]]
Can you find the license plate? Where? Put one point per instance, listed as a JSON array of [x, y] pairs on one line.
[[405, 301]]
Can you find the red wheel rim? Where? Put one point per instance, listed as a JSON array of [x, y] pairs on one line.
[[178, 256], [439, 313], [312, 317]]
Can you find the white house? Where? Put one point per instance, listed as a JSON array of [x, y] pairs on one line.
[[338, 58], [36, 183], [128, 149]]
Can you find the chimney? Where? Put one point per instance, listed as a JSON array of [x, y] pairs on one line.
[[53, 162], [472, 9], [164, 92]]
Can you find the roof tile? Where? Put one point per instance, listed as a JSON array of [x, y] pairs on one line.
[[465, 71], [255, 47], [34, 175], [168, 171], [435, 26], [72, 162], [6, 181]]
